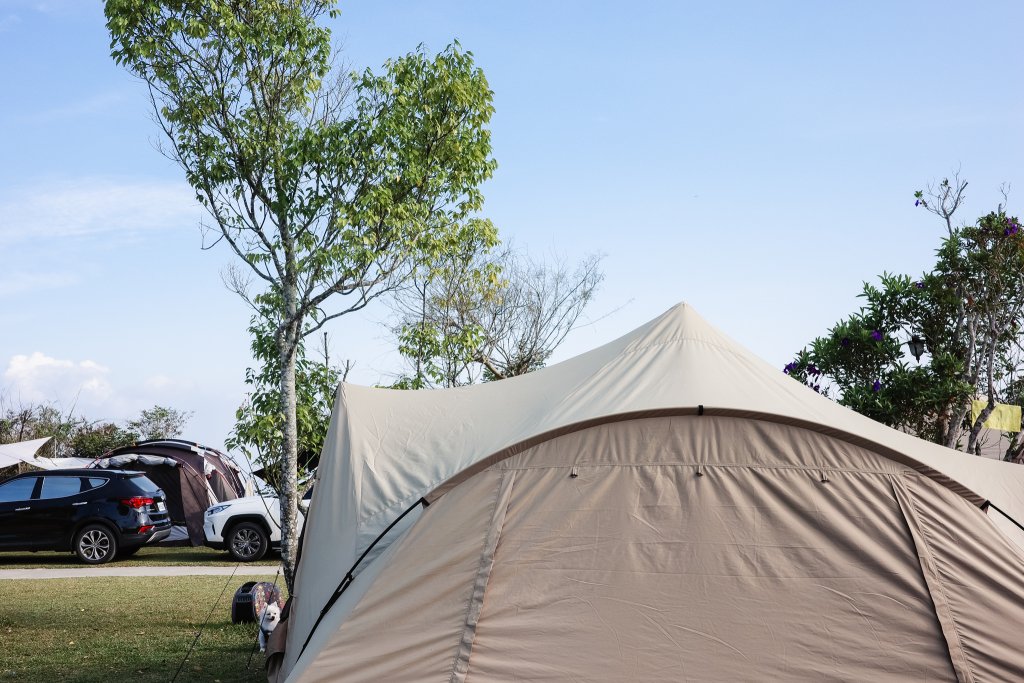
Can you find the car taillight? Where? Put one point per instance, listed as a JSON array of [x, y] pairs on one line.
[[145, 528], [137, 502]]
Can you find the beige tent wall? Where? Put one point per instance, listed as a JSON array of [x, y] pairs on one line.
[[385, 449], [420, 617], [703, 548], [976, 575]]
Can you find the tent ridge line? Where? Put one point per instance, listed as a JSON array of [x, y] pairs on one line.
[[676, 340], [441, 487], [703, 463], [502, 500]]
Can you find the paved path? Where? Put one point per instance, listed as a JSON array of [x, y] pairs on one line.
[[83, 572]]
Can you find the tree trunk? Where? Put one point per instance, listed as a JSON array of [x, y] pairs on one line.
[[972, 439], [1015, 449], [288, 342], [991, 340], [956, 424]]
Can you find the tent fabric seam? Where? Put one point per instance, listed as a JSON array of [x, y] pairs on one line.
[[439, 487], [704, 463], [933, 582], [502, 500]]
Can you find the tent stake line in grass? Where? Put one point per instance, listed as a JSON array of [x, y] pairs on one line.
[[665, 507]]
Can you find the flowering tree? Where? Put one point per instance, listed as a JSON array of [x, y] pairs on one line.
[[969, 313]]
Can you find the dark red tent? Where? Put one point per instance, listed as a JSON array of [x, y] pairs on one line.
[[192, 476]]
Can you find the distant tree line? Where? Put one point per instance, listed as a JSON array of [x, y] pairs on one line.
[[77, 436]]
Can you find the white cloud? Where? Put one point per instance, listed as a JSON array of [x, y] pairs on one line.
[[94, 206], [52, 7], [76, 109], [21, 282], [40, 378], [164, 384], [91, 390]]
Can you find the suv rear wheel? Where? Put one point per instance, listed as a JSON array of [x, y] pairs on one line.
[[247, 542], [95, 544]]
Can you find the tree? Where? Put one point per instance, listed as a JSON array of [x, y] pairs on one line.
[[437, 330], [93, 439], [484, 317], [77, 436], [328, 189], [159, 422], [259, 422], [969, 312], [24, 422]]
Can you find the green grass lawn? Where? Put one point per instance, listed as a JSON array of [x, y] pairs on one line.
[[160, 556], [124, 629]]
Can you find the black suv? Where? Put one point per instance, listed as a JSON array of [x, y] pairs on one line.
[[97, 514]]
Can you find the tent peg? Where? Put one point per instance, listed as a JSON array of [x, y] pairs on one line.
[[574, 472]]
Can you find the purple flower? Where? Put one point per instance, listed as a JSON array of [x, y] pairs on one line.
[[813, 369], [817, 388], [917, 203], [845, 341], [877, 336], [876, 387], [790, 367], [1012, 230], [919, 284]]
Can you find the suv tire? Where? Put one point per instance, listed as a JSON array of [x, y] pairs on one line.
[[247, 542], [95, 544]]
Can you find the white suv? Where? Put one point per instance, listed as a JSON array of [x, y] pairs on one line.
[[248, 527]]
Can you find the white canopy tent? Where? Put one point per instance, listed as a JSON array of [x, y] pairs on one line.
[[23, 452]]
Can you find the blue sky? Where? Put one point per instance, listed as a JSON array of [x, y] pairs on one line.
[[755, 159]]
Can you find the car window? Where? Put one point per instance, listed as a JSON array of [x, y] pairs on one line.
[[145, 484], [19, 489], [60, 487], [93, 483]]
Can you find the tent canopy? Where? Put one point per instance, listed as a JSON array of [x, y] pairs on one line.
[[23, 452], [387, 449], [192, 476]]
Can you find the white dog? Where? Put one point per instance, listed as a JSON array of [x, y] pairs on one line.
[[270, 616]]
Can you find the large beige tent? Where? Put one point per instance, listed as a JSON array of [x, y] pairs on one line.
[[666, 507]]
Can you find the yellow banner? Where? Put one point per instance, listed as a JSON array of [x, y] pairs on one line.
[[1004, 418]]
